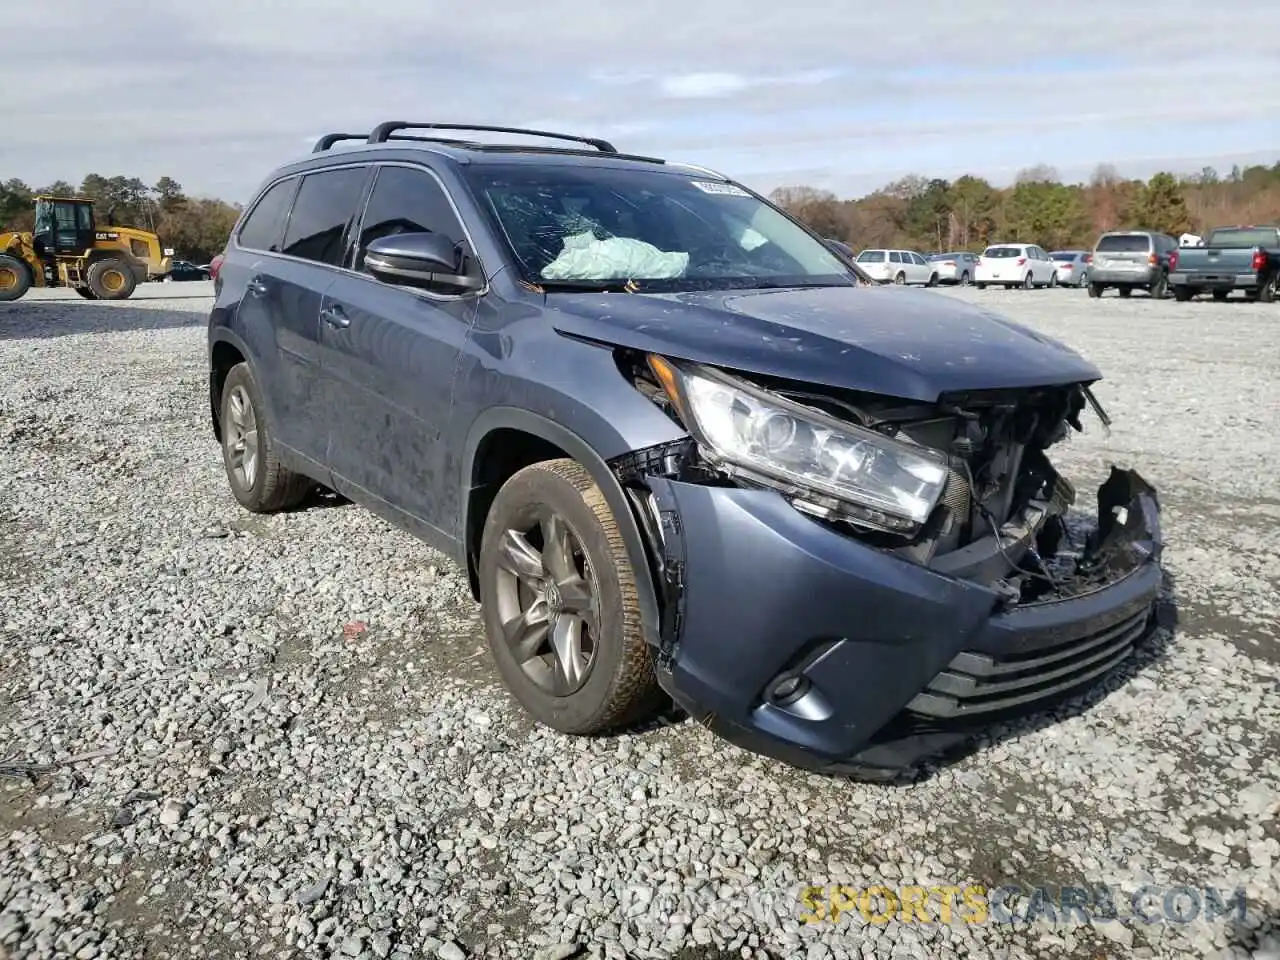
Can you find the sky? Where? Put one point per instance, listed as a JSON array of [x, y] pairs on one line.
[[840, 96]]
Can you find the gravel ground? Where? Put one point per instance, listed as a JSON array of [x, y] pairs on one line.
[[282, 737]]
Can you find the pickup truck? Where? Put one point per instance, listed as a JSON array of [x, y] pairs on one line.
[[1233, 258]]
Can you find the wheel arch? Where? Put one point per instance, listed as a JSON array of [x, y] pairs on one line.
[[225, 351], [530, 435]]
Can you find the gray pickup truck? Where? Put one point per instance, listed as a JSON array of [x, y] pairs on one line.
[[1233, 258]]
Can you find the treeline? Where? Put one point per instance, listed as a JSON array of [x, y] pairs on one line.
[[196, 228], [968, 213], [913, 212]]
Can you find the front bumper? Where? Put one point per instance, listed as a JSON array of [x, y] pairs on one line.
[[894, 662]]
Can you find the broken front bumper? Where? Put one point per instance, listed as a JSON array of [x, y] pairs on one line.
[[796, 641]]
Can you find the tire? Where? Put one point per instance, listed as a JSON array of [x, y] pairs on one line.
[[1125, 291], [1221, 295], [981, 286], [1095, 290], [266, 485], [900, 279], [933, 280], [15, 278], [85, 292], [1053, 280], [1267, 292], [612, 684], [964, 279], [111, 279], [1160, 288], [1028, 281], [1183, 293]]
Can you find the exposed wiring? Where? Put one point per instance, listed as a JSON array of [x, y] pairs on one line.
[[995, 529]]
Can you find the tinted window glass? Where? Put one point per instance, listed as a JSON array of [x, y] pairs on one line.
[[1002, 252], [261, 231], [917, 260], [406, 201], [1243, 237], [871, 256], [325, 205], [1125, 243], [1063, 256], [895, 257]]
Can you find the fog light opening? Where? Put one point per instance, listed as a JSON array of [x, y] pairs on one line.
[[787, 689]]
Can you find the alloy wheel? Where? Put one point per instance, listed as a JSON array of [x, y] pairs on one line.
[[242, 437], [547, 603]]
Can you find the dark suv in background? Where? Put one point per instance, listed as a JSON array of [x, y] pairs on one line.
[[676, 446]]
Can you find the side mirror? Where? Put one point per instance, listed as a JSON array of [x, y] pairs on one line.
[[421, 259]]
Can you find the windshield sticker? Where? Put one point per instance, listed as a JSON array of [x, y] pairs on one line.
[[724, 189]]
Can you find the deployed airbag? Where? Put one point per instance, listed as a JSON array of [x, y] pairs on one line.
[[585, 257]]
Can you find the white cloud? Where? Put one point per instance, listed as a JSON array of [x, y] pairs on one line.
[[704, 85]]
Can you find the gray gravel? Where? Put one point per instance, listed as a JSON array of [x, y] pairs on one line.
[[282, 737]]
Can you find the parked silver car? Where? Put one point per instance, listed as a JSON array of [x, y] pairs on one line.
[[1131, 260], [1073, 267], [955, 267]]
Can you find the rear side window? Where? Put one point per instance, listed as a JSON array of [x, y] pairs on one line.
[[1124, 243], [895, 257], [871, 256], [997, 253], [326, 204], [262, 228], [406, 201]]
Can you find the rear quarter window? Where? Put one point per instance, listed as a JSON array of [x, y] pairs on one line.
[[262, 228]]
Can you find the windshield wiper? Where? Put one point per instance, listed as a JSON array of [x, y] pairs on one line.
[[614, 285]]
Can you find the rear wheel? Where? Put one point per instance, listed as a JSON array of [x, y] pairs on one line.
[[1159, 287], [111, 279], [964, 279], [1028, 281], [900, 279], [1124, 291], [559, 601], [15, 278], [1267, 292], [933, 280], [981, 286], [1053, 279], [1095, 289], [85, 292], [1183, 293], [259, 481]]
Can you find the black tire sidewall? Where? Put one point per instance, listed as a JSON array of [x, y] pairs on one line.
[[25, 280], [518, 500], [99, 267], [240, 376]]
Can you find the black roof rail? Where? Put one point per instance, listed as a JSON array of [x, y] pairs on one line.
[[383, 132], [329, 139]]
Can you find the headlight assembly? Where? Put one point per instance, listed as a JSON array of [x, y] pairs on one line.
[[878, 480]]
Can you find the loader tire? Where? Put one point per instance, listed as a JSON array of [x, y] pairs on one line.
[[86, 293], [15, 278], [111, 279]]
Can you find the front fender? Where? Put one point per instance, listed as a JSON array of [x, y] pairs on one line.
[[514, 418]]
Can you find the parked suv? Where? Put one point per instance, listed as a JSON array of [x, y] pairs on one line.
[[676, 449], [1131, 260]]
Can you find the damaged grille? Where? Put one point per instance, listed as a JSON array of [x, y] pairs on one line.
[[980, 683]]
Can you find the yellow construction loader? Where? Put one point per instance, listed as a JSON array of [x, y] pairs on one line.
[[69, 249]]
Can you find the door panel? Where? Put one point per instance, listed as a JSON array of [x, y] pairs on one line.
[[389, 354]]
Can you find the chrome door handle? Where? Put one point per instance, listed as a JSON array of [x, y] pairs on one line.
[[258, 287], [335, 316]]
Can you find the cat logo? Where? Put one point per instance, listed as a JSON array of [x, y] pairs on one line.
[[106, 236]]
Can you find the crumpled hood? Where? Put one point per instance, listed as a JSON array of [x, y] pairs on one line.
[[902, 343]]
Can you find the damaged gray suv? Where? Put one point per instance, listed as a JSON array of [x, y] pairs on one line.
[[679, 449]]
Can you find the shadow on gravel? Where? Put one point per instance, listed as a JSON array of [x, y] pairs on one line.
[[59, 318], [1150, 650], [1258, 932]]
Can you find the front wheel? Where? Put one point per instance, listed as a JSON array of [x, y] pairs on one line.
[[1084, 279], [559, 601], [933, 280], [1095, 290], [15, 278], [1028, 281]]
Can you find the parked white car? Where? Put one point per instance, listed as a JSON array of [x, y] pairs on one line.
[[1015, 265], [1073, 267], [898, 266]]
